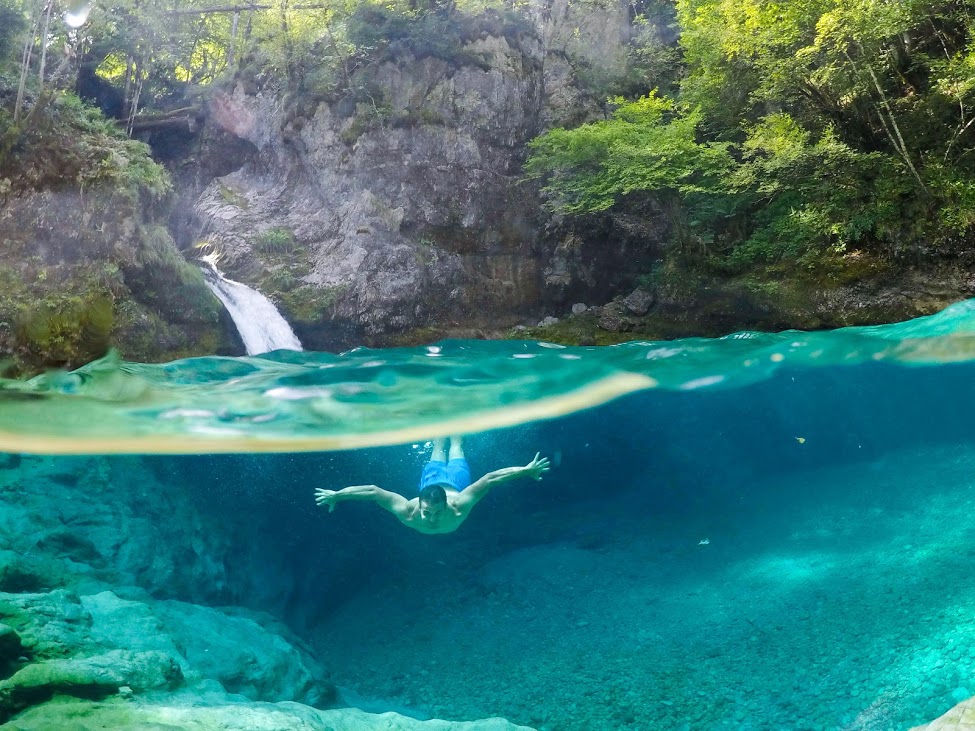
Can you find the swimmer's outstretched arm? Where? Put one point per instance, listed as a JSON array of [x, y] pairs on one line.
[[391, 501], [473, 494]]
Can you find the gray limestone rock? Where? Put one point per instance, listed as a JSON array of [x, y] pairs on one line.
[[50, 625], [639, 301], [422, 219], [613, 319]]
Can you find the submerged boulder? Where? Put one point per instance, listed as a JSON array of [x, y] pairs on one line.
[[88, 677], [92, 646], [137, 716], [245, 654], [49, 625]]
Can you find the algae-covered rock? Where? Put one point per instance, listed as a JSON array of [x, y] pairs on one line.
[[50, 625], [11, 650], [124, 624], [247, 654], [89, 677], [74, 642], [136, 716]]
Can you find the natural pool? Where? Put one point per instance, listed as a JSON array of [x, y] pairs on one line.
[[760, 532]]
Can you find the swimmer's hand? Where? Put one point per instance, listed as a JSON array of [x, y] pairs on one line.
[[537, 467], [326, 497]]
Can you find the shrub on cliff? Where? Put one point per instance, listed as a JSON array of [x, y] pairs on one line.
[[382, 33]]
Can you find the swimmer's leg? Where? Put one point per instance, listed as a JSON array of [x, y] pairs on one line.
[[457, 468], [439, 453]]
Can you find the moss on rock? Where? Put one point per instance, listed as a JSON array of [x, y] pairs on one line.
[[90, 677]]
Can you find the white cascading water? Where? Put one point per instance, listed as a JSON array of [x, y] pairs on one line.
[[261, 326]]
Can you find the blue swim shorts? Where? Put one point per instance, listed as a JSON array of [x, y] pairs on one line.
[[456, 474]]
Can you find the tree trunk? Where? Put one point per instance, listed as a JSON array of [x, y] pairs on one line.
[[233, 40], [47, 29], [26, 58]]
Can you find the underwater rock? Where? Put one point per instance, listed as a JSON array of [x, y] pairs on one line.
[[959, 718], [137, 716], [9, 461], [89, 677], [19, 573], [245, 655], [71, 545], [129, 625], [114, 525], [50, 625]]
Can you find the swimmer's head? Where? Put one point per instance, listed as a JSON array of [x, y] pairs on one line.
[[433, 501]]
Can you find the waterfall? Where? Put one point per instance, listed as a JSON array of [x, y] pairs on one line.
[[261, 326]]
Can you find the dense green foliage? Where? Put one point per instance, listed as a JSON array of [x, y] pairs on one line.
[[796, 133]]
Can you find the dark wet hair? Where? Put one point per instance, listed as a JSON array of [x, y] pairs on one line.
[[433, 495]]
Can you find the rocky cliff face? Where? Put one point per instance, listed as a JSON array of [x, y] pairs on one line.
[[368, 217]]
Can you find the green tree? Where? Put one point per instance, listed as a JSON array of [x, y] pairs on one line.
[[846, 123], [646, 148]]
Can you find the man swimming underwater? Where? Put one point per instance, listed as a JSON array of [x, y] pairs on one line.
[[446, 493]]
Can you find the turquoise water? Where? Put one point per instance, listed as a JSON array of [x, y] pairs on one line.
[[757, 532], [296, 401], [834, 590]]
